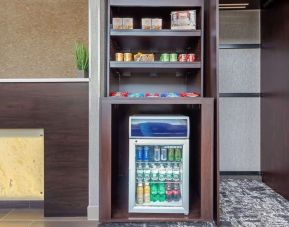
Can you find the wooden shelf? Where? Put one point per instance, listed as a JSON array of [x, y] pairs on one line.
[[158, 33], [156, 64], [158, 100]]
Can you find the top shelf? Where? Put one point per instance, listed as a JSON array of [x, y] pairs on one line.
[[157, 33]]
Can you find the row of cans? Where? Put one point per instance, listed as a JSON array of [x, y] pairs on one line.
[[158, 153]]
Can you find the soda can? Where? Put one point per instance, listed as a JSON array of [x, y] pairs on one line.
[[178, 154], [119, 56], [173, 57], [127, 57], [157, 154], [165, 57], [139, 153], [163, 154], [171, 154], [191, 57], [182, 58], [146, 153]]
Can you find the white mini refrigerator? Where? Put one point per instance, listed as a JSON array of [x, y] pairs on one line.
[[159, 164]]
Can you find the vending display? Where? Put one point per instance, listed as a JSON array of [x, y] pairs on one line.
[[158, 181]]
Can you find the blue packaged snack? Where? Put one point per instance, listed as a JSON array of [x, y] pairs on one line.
[[170, 95], [136, 95]]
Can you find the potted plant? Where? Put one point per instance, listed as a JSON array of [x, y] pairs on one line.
[[81, 59]]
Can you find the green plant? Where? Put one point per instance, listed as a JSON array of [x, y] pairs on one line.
[[81, 56]]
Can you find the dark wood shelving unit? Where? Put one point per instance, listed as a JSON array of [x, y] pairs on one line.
[[155, 77]]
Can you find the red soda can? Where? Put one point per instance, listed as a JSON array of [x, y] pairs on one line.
[[191, 57], [182, 58]]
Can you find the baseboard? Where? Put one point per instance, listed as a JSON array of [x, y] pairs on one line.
[[241, 173], [93, 213], [18, 204]]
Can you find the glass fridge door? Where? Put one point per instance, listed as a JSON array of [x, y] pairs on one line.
[[159, 176]]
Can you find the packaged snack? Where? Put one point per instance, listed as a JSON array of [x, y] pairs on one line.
[[157, 24], [118, 94], [136, 95], [144, 57], [170, 95], [117, 23], [146, 23], [183, 20], [189, 94], [127, 23], [152, 95]]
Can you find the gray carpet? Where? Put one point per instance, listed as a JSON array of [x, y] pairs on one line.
[[251, 203], [244, 203]]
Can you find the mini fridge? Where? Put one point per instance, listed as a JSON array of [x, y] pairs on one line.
[[159, 164]]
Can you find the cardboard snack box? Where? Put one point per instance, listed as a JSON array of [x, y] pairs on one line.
[[127, 23], [157, 24], [146, 23], [183, 20], [117, 23]]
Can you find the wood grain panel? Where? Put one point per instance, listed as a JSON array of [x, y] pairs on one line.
[[275, 98], [61, 109]]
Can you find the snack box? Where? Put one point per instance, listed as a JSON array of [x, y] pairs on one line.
[[183, 20], [144, 57], [117, 23], [127, 23], [146, 23], [157, 24]]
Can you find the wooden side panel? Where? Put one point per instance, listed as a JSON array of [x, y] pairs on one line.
[[61, 109], [275, 99], [211, 87]]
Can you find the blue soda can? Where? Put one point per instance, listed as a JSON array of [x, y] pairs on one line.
[[146, 154], [139, 153]]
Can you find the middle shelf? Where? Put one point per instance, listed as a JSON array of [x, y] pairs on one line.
[[156, 64]]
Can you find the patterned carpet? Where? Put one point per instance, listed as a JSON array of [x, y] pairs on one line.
[[244, 203], [251, 203]]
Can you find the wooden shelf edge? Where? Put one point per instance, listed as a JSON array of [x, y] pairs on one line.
[[164, 32], [156, 64], [169, 101]]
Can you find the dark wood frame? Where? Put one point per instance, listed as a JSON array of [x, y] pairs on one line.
[[207, 156]]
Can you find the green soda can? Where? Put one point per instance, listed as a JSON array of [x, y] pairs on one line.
[[165, 57], [173, 57], [178, 154], [171, 154]]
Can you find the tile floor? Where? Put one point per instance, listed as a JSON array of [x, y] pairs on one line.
[[245, 202]]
